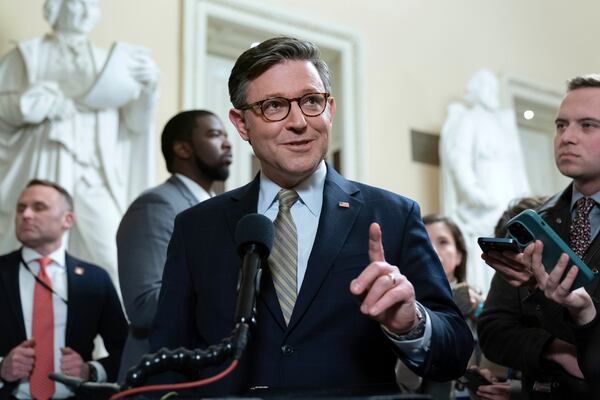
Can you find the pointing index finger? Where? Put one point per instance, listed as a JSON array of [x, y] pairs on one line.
[[375, 244]]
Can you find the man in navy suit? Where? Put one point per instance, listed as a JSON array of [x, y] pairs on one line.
[[355, 310], [80, 298]]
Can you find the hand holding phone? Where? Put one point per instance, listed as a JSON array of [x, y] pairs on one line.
[[528, 227]]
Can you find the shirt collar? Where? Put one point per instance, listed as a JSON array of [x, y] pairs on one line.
[[577, 195], [198, 191], [310, 191], [57, 256]]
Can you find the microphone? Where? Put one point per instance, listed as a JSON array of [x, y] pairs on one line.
[[254, 240]]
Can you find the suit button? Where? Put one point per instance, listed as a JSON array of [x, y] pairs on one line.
[[538, 307], [287, 350]]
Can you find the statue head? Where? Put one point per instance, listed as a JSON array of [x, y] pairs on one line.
[[72, 16], [484, 89]]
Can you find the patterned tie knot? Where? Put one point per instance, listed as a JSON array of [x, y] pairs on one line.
[[287, 198], [584, 205]]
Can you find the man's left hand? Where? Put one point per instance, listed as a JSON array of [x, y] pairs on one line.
[[72, 364], [386, 295]]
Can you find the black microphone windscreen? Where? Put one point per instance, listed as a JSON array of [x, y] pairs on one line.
[[254, 229]]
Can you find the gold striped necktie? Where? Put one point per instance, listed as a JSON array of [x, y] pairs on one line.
[[283, 260]]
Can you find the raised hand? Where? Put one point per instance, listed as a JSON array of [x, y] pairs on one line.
[[386, 295]]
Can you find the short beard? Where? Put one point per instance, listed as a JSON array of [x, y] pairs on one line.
[[214, 173]]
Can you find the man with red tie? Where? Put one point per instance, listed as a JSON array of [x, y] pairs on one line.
[[52, 305]]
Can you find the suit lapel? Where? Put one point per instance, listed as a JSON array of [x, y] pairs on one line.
[[245, 201], [185, 192], [559, 216], [9, 275], [75, 287], [329, 240], [335, 224]]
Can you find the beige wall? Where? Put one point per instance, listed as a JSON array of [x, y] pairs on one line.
[[418, 56]]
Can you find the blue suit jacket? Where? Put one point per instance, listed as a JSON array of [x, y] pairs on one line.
[[328, 343], [93, 308]]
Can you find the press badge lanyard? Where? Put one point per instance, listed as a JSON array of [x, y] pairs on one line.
[[38, 280]]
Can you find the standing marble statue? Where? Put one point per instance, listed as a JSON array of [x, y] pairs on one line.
[[482, 167], [82, 117]]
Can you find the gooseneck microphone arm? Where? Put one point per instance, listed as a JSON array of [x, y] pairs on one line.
[[254, 238], [182, 359]]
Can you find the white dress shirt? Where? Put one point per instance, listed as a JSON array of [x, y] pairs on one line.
[[198, 191]]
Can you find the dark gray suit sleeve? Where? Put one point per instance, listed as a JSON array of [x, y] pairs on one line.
[[142, 241]]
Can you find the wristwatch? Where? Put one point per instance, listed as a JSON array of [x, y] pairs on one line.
[[414, 333], [93, 373]]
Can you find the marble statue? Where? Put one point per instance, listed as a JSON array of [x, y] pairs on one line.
[[482, 167], [82, 117]]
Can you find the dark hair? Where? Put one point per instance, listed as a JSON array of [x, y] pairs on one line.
[[516, 207], [179, 128], [256, 60], [55, 186], [461, 270], [583, 81]]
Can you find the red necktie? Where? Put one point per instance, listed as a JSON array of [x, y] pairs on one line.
[[42, 330], [580, 237]]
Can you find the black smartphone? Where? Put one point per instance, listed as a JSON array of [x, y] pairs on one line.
[[488, 244], [472, 379]]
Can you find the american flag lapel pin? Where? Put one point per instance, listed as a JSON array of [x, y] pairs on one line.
[[79, 270], [343, 204]]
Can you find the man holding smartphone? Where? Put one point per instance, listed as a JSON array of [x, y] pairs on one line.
[[524, 327]]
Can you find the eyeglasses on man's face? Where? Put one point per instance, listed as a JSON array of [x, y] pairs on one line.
[[277, 109]]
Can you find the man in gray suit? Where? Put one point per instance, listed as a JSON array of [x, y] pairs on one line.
[[197, 153]]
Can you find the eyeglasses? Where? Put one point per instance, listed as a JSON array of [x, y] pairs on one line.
[[278, 108]]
